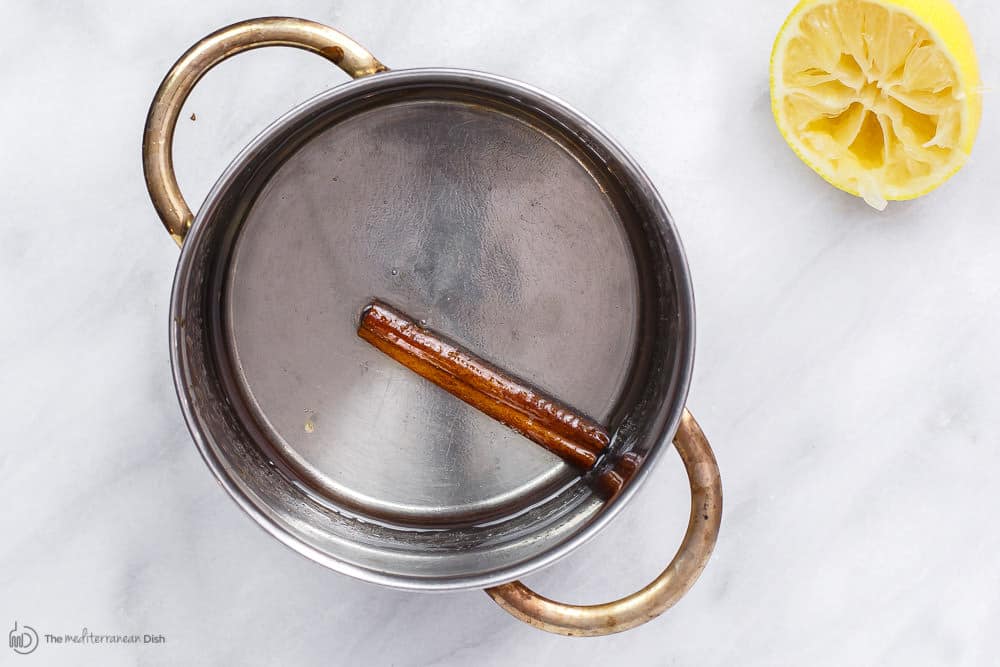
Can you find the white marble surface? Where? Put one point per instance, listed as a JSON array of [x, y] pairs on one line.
[[847, 369]]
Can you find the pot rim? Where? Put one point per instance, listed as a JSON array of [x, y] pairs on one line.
[[685, 305]]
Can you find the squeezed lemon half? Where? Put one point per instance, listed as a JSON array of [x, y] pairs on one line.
[[880, 97]]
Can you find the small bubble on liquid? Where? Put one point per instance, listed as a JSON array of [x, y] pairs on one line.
[[395, 272]]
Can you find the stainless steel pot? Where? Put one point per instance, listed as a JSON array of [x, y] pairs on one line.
[[490, 211]]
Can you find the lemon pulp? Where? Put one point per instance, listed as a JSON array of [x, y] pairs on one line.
[[880, 98]]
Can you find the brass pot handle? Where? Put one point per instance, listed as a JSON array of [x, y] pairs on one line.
[[158, 137], [664, 591]]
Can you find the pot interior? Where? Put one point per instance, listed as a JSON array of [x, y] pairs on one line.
[[499, 218]]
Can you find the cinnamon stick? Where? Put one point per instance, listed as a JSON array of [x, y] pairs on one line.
[[513, 402]]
